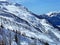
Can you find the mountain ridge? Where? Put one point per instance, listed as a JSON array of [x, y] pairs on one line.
[[16, 18]]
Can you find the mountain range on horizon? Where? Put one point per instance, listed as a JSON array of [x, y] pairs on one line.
[[19, 26]]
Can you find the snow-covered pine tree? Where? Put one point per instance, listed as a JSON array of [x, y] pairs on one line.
[[17, 38], [46, 43]]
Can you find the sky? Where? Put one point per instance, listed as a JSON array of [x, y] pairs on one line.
[[40, 6]]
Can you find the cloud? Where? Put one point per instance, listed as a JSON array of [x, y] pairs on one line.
[[3, 0]]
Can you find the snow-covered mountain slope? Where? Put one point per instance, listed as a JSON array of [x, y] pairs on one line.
[[19, 26], [53, 18]]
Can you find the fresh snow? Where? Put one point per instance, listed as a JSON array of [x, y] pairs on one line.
[[30, 31]]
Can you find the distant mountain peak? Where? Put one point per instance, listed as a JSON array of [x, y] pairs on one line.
[[54, 13]]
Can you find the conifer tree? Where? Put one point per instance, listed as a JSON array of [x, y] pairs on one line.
[[46, 43], [17, 38]]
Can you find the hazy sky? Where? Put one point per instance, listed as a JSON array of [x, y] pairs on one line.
[[40, 6]]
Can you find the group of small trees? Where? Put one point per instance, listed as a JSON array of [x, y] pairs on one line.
[[17, 38], [2, 43]]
